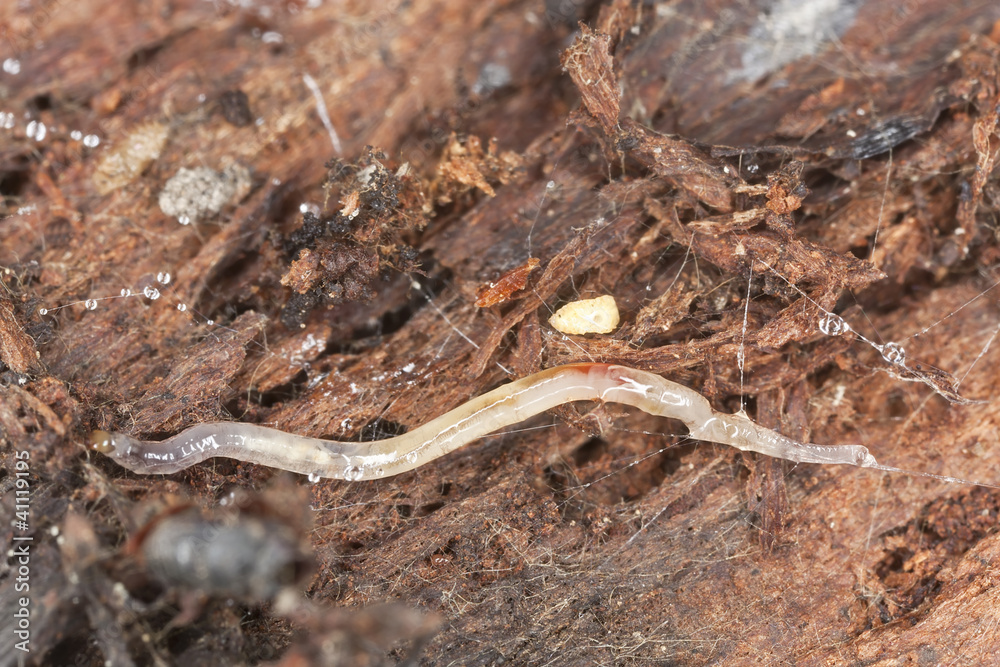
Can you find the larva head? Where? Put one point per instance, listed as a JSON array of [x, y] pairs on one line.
[[103, 442], [133, 454]]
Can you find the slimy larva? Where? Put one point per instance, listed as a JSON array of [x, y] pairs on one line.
[[504, 406]]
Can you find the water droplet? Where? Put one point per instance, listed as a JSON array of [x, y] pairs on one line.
[[91, 304], [741, 358], [184, 220], [411, 457], [6, 120], [43, 311], [126, 292], [353, 473], [91, 141], [163, 278], [210, 322], [76, 135], [182, 307], [12, 66], [314, 477], [833, 325], [894, 354], [151, 293], [35, 130]]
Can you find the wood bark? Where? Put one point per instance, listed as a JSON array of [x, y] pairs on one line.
[[683, 157]]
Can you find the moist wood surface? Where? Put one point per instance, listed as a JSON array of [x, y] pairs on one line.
[[678, 156]]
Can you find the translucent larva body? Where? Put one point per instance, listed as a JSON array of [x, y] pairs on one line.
[[504, 406]]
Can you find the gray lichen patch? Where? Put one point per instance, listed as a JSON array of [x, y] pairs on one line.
[[194, 194]]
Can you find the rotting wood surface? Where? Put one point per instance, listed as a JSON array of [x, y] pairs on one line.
[[676, 156]]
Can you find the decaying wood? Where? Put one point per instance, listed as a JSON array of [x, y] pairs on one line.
[[833, 156]]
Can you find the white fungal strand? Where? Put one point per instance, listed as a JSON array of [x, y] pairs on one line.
[[505, 406]]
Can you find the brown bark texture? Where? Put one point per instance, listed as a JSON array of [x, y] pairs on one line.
[[186, 238]]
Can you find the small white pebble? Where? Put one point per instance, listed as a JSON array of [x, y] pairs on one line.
[[598, 315]]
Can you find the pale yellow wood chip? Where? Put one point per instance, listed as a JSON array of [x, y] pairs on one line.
[[598, 315]]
